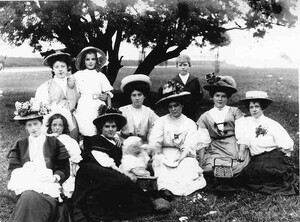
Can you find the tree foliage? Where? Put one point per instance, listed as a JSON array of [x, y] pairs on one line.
[[167, 27]]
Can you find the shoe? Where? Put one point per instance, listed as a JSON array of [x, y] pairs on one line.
[[166, 194]]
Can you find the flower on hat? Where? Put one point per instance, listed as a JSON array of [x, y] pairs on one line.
[[212, 78], [172, 88], [33, 106]]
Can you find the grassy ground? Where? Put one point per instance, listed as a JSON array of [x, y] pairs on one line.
[[281, 85]]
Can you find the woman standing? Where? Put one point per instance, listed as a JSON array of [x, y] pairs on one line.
[[217, 126], [269, 170], [94, 89], [102, 190], [38, 164], [140, 118], [174, 142], [60, 92]]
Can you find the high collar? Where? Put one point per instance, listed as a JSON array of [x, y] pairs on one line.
[[221, 109]]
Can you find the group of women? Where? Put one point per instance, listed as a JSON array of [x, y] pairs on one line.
[[183, 154]]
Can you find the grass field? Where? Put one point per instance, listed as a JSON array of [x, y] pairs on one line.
[[281, 85]]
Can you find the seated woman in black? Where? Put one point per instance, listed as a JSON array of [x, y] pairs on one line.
[[102, 190]]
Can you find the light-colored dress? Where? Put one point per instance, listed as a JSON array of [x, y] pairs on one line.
[[59, 95], [130, 161], [217, 127], [75, 157], [139, 121], [269, 170], [168, 137], [90, 84]]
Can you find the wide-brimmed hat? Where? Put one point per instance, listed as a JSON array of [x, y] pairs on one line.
[[101, 57], [31, 109], [107, 113], [138, 82], [257, 95], [220, 83], [173, 91], [52, 56]]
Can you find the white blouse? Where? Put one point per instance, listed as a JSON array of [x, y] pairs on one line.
[[262, 135]]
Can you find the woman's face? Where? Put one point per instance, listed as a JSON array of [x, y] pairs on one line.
[[57, 126], [220, 99], [60, 69], [34, 127], [109, 129], [137, 99], [90, 60], [255, 109], [175, 109]]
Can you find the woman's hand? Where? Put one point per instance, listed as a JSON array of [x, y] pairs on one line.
[[103, 96], [118, 142]]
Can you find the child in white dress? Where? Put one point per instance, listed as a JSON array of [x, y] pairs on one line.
[[58, 126], [94, 89]]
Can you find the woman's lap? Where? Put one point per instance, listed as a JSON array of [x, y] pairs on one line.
[[33, 206]]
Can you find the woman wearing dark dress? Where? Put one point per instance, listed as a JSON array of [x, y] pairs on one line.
[[38, 165], [102, 190]]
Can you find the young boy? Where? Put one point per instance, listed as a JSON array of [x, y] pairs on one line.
[[191, 84]]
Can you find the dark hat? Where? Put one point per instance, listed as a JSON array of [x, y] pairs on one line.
[[173, 91], [32, 109], [138, 82], [107, 113], [220, 83], [101, 57], [53, 56], [259, 96]]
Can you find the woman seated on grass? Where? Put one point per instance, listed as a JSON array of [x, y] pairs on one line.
[[38, 164], [269, 170], [102, 190], [173, 139], [58, 127]]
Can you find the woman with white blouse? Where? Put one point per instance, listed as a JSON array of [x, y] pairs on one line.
[[140, 118], [269, 170]]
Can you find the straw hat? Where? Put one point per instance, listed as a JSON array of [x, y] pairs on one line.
[[220, 83], [52, 56], [173, 91], [31, 109], [101, 57], [138, 82], [257, 95], [107, 113]]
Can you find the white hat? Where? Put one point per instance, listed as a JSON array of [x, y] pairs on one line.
[[257, 95], [137, 81]]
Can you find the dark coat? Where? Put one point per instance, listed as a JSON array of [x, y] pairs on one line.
[[193, 86], [55, 153]]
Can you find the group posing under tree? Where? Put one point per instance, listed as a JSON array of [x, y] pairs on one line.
[[122, 146]]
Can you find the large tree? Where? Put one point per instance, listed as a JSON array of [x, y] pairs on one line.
[[167, 27]]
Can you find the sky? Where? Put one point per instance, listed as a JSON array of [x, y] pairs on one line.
[[279, 48]]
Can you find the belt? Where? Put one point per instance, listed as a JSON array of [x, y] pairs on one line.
[[93, 96]]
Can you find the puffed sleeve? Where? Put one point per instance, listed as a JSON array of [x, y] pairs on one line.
[[156, 136], [106, 86], [41, 93], [238, 114], [241, 131], [73, 148], [191, 140], [204, 137], [103, 159], [282, 138]]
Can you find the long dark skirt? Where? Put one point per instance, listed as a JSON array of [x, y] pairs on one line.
[[102, 193], [33, 206], [271, 173]]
